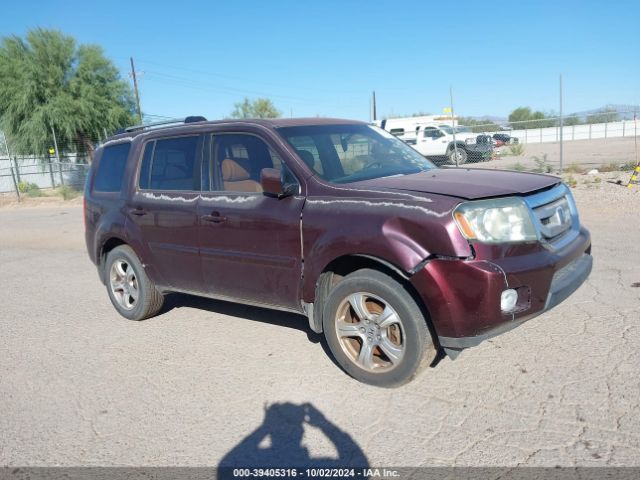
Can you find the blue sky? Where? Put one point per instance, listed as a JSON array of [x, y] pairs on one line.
[[325, 57]]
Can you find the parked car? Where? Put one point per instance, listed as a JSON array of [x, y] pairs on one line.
[[504, 139], [390, 257], [441, 143]]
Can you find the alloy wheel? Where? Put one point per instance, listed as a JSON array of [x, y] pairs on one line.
[[370, 332], [124, 284]]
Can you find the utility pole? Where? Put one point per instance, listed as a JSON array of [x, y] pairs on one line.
[[55, 145], [561, 124], [453, 127], [135, 87], [373, 106], [13, 175]]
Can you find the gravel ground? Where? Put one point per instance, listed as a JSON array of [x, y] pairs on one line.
[[581, 154], [209, 382]]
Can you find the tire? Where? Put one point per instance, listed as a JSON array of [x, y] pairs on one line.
[[382, 355], [462, 155], [130, 290]]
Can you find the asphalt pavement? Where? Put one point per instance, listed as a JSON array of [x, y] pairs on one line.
[[209, 382]]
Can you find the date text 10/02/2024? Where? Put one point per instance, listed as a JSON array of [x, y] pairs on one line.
[[315, 472]]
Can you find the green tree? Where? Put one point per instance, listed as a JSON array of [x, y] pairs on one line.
[[48, 81], [605, 116], [478, 126], [572, 119], [258, 108], [524, 117]]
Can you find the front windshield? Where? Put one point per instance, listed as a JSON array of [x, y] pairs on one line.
[[352, 153]]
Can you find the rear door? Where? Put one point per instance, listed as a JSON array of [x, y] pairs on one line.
[[164, 210], [250, 242]]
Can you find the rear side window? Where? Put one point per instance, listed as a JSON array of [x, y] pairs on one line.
[[111, 168], [170, 164]]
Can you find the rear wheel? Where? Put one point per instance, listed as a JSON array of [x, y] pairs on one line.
[[375, 330], [460, 153], [131, 291]]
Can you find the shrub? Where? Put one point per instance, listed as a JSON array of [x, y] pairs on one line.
[[574, 168], [516, 149], [67, 192], [517, 166], [542, 166], [30, 189]]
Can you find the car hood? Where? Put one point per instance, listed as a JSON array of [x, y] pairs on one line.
[[465, 183]]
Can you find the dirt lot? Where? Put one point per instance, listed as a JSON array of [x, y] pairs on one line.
[[586, 154], [209, 382]]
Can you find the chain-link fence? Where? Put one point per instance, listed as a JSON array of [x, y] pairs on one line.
[[30, 174], [549, 130]]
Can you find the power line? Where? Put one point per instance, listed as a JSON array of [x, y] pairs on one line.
[[175, 80], [209, 73]]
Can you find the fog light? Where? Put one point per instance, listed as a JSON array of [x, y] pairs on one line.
[[508, 300]]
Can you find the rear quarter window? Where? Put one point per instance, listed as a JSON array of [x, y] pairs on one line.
[[111, 167]]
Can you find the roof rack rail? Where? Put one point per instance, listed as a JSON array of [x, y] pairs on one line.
[[175, 121]]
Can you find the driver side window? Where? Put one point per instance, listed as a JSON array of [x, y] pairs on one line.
[[238, 159], [431, 132]]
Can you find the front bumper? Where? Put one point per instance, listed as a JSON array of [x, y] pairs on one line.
[[463, 297]]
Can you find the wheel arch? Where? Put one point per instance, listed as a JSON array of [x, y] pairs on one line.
[[343, 265], [458, 143], [106, 246]]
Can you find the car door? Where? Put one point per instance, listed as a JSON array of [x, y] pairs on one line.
[[431, 142], [164, 210], [250, 243]]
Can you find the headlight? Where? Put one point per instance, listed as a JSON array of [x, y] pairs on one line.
[[495, 221], [470, 141]]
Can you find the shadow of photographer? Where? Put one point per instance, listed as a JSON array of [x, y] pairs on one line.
[[278, 442]]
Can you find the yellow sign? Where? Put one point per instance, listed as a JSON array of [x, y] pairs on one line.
[[446, 110], [52, 151]]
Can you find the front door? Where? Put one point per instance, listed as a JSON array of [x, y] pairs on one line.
[[431, 142], [250, 244]]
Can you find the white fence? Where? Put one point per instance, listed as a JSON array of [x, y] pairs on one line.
[[622, 128]]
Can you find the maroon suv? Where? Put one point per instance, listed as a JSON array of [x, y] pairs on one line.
[[389, 256]]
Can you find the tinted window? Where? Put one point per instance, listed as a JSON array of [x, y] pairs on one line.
[[238, 160], [431, 133], [173, 166], [111, 168], [145, 168]]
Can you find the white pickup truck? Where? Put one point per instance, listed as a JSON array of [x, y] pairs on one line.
[[437, 141]]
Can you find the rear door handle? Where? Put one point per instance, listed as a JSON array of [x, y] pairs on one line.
[[138, 212], [215, 217]]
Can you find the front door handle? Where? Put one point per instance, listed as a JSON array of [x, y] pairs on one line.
[[138, 212], [215, 217]]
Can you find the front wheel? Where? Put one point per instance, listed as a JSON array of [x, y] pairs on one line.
[[460, 153], [375, 330]]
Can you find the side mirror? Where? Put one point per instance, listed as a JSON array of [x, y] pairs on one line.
[[274, 184]]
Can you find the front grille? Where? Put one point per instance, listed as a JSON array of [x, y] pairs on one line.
[[554, 218], [555, 215]]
